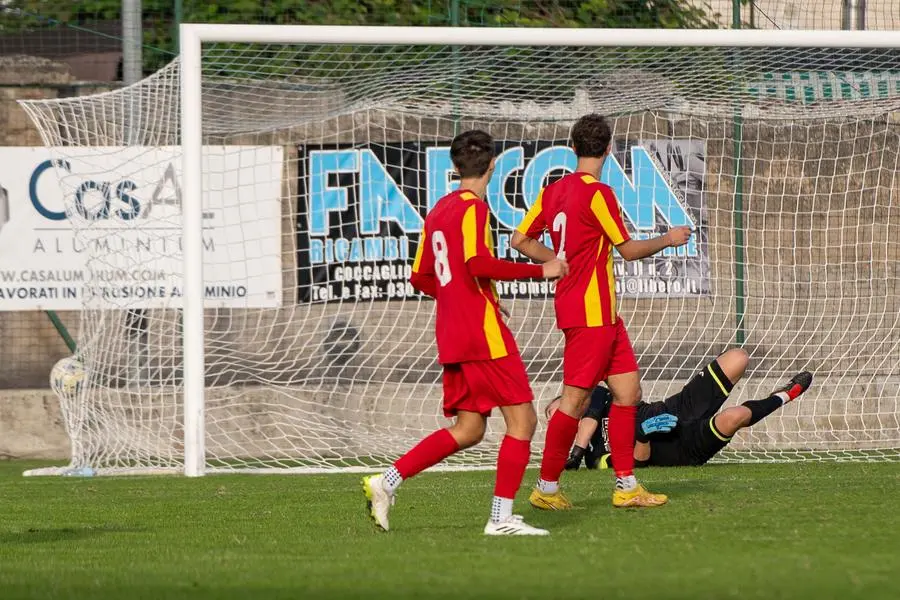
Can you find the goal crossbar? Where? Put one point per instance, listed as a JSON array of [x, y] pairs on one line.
[[193, 33]]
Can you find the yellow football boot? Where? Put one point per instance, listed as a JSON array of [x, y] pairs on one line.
[[637, 497], [557, 501]]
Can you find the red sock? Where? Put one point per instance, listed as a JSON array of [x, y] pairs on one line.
[[621, 438], [511, 464], [561, 432], [429, 452]]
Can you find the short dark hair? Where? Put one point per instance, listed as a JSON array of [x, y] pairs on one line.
[[591, 135], [471, 153]]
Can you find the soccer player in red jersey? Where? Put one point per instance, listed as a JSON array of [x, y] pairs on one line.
[[482, 368], [585, 223]]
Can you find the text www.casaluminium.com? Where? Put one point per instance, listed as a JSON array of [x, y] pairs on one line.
[[78, 275]]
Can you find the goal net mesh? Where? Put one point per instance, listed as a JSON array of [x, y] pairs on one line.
[[320, 162]]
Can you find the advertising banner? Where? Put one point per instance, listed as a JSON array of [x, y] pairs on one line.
[[362, 210], [124, 250]]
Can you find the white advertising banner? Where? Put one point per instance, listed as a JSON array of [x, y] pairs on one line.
[[100, 228]]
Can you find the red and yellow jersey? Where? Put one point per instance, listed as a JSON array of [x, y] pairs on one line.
[[468, 324], [585, 223]]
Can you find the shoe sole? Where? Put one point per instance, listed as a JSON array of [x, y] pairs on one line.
[[634, 503], [541, 505]]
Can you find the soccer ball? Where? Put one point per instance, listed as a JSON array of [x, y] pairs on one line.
[[67, 376]]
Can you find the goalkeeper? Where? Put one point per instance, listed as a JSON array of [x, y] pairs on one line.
[[687, 428]]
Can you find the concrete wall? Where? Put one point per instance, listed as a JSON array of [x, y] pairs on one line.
[[820, 199]]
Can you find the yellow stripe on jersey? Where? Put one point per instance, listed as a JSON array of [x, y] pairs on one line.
[[601, 211], [716, 379], [532, 214], [419, 251], [468, 196], [492, 332], [593, 312], [488, 237], [489, 242], [589, 179], [470, 233], [613, 309]]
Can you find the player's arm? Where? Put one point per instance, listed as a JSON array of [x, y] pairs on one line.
[[480, 261], [423, 277], [587, 427], [532, 248], [525, 236], [642, 454], [637, 249], [606, 208]]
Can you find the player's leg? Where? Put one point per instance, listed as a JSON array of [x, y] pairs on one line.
[[561, 431], [585, 362], [733, 363], [587, 427], [733, 419], [699, 441], [707, 391], [625, 384], [512, 460], [626, 391], [725, 371], [468, 429], [503, 383], [380, 489]]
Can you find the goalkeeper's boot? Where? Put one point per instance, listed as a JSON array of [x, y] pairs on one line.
[[798, 384], [512, 525], [378, 500], [636, 497], [555, 501]]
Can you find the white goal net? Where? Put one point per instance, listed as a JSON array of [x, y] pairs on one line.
[[320, 161]]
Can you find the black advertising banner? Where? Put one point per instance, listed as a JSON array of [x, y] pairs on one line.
[[361, 210]]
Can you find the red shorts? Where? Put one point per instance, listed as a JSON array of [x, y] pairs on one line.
[[481, 385], [594, 353]]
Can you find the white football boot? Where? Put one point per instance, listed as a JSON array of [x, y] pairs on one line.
[[513, 525], [378, 500]]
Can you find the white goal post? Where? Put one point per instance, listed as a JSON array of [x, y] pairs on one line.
[[781, 146]]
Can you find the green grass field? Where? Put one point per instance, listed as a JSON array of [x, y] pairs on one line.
[[810, 530]]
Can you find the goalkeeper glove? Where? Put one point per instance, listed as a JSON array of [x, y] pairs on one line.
[[591, 457], [575, 458], [663, 423]]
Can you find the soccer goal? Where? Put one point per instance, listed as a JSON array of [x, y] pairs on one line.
[[249, 214]]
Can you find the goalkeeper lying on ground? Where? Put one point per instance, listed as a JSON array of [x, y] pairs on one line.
[[686, 428]]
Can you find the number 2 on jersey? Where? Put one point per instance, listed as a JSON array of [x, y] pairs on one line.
[[559, 226], [441, 264]]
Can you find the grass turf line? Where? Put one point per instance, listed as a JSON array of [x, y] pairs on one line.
[[816, 530]]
